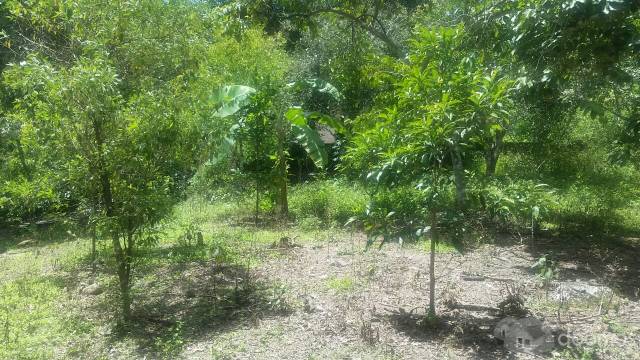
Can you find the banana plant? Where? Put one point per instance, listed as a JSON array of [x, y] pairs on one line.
[[292, 122], [233, 97]]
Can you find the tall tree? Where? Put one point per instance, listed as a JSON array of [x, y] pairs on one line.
[[385, 21]]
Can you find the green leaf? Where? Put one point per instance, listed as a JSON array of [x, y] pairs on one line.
[[332, 122], [231, 98], [295, 115], [309, 139]]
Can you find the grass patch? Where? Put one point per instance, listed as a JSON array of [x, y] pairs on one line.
[[33, 323], [441, 247], [329, 202], [43, 315], [341, 284]]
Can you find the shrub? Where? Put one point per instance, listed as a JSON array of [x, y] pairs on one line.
[[396, 213], [516, 203], [24, 200], [332, 202]]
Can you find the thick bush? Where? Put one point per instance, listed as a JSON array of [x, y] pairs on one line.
[[333, 202], [22, 200]]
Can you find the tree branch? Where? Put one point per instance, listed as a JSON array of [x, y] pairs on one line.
[[394, 48]]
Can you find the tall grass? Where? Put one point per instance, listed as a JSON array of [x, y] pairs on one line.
[[328, 202]]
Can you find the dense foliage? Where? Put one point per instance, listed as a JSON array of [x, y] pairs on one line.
[[454, 116]]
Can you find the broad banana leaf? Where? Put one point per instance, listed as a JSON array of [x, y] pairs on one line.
[[231, 98], [309, 139], [299, 117]]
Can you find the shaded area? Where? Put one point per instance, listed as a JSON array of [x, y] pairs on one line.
[[192, 300], [461, 330], [610, 261], [36, 234]]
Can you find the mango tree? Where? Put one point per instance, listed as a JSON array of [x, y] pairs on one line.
[[445, 108]]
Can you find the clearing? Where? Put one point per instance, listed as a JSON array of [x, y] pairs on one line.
[[246, 294]]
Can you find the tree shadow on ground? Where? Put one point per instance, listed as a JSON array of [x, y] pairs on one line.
[[190, 301], [609, 261], [33, 236], [460, 330]]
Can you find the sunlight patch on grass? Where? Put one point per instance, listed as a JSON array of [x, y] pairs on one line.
[[441, 247], [341, 284], [30, 326]]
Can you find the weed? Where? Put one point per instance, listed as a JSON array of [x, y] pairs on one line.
[[331, 202], [171, 342], [341, 284], [441, 247], [277, 300]]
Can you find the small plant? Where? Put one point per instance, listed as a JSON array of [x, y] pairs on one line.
[[429, 322], [341, 284], [277, 301], [368, 333], [546, 269], [310, 223], [170, 343], [191, 235], [514, 303], [580, 353]]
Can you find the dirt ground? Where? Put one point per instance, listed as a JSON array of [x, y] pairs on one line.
[[326, 297], [333, 300]]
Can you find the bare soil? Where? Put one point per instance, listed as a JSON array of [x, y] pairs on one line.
[[333, 300]]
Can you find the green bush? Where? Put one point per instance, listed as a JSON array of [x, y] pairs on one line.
[[515, 203], [23, 200], [396, 213], [332, 202]]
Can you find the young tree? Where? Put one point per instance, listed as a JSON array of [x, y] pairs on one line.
[[446, 107], [271, 123], [119, 113]]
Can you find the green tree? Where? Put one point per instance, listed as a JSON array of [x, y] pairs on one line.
[[379, 19], [445, 106], [117, 120]]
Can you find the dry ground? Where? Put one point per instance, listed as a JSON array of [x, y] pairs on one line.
[[340, 302], [328, 298]]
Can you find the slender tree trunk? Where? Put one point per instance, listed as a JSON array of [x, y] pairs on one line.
[[282, 132], [432, 262], [492, 155], [124, 272], [458, 174], [122, 260], [283, 201], [257, 210], [257, 152], [93, 248]]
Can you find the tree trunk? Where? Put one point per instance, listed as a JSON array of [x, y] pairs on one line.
[[123, 261], [282, 132], [93, 249], [432, 263], [124, 272], [492, 155], [257, 174], [283, 201], [458, 174], [393, 48], [257, 201]]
